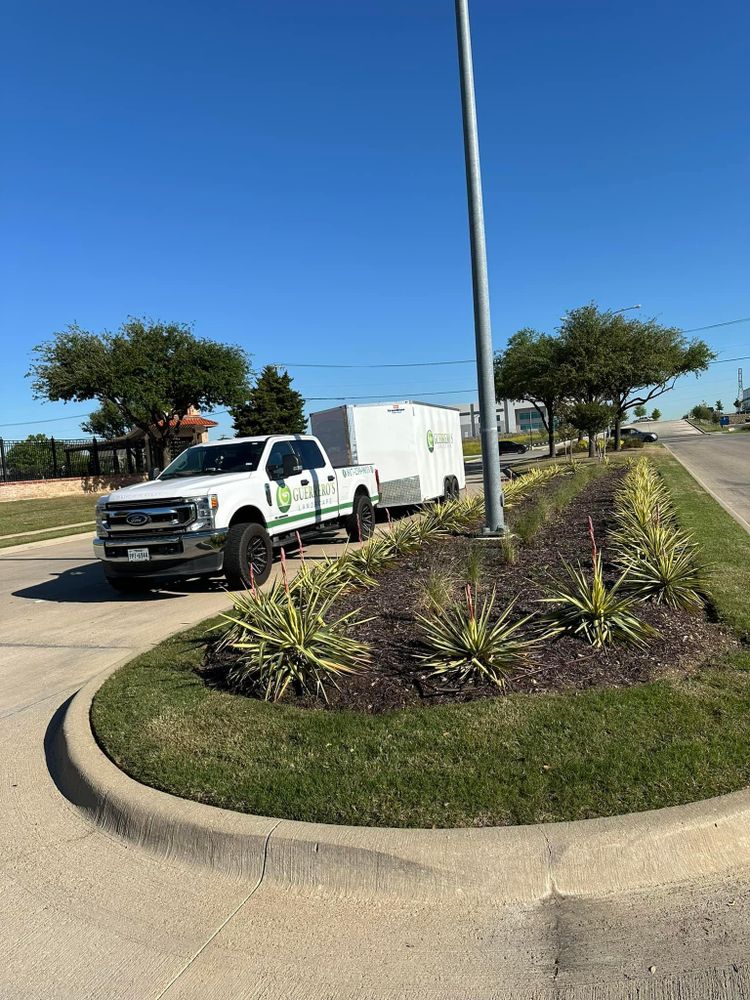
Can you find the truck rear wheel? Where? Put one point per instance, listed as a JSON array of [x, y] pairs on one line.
[[248, 556], [361, 523]]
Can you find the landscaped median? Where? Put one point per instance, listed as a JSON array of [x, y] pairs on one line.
[[596, 732]]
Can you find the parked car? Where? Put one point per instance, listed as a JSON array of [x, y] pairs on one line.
[[512, 448]]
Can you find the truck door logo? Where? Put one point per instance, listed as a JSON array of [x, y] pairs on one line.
[[283, 498], [430, 441]]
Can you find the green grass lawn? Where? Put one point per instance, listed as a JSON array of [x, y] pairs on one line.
[[31, 515], [17, 516], [518, 759]]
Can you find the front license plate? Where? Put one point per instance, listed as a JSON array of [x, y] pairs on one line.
[[138, 555]]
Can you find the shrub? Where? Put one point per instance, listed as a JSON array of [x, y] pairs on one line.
[[437, 592], [629, 443], [465, 645], [284, 640], [474, 565], [584, 606]]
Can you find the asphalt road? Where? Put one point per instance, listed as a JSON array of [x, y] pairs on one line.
[[84, 915], [720, 462]]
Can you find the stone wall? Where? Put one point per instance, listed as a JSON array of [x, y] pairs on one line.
[[37, 489]]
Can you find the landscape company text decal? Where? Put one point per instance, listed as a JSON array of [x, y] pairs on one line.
[[436, 440], [285, 495]]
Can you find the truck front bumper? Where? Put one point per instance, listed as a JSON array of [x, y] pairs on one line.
[[189, 553]]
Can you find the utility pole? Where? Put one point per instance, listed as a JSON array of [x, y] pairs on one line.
[[493, 495]]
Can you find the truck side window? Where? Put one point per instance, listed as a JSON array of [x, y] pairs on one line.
[[275, 464], [310, 455]]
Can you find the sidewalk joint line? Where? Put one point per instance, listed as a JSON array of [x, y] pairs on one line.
[[224, 923]]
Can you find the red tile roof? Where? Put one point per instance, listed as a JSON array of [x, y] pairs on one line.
[[194, 421]]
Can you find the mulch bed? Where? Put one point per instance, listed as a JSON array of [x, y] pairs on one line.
[[397, 679]]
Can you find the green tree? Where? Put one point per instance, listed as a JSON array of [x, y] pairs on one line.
[[633, 361], [152, 372], [719, 406], [738, 404], [639, 410], [586, 369], [107, 422], [656, 413], [272, 406], [30, 458], [590, 419], [530, 368], [703, 413]]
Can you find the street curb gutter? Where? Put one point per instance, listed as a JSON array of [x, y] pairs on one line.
[[496, 865]]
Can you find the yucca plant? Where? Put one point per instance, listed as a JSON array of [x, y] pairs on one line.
[[660, 566], [404, 537], [584, 606], [364, 563], [283, 639], [466, 645]]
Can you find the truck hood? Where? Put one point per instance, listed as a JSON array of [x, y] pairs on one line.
[[190, 486]]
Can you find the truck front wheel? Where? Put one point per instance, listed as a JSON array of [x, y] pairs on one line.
[[248, 556], [361, 523]]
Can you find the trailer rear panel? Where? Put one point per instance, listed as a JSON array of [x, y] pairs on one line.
[[415, 446]]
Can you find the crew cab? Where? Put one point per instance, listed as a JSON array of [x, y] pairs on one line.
[[222, 507]]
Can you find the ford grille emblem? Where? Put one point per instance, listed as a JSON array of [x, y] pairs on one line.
[[137, 519]]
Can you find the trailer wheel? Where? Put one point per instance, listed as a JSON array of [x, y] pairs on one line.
[[450, 488], [361, 523], [248, 545]]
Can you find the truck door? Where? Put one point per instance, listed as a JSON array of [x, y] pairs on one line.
[[288, 485], [318, 478]]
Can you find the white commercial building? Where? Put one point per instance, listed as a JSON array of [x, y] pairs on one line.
[[514, 416]]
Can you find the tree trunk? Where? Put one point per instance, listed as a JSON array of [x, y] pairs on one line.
[[592, 445], [156, 446], [618, 424], [551, 439]]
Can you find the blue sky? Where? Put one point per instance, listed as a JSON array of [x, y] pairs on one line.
[[289, 177]]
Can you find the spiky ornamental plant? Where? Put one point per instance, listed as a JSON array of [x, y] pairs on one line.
[[584, 606], [659, 562], [284, 639], [465, 645]]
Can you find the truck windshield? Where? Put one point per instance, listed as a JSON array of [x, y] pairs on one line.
[[242, 456]]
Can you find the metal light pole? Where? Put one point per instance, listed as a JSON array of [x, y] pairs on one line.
[[493, 497]]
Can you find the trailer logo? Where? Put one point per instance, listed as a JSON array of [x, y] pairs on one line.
[[283, 498], [434, 440]]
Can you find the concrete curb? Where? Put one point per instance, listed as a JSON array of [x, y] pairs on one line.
[[496, 864]]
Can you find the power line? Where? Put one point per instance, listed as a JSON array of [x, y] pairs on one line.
[[713, 326]]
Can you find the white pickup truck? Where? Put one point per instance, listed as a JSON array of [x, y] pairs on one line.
[[221, 507]]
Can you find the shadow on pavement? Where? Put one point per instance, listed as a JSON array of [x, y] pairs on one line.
[[86, 585]]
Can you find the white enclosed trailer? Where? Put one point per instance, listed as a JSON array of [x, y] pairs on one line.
[[416, 447]]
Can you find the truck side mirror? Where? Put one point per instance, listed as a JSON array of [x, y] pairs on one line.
[[291, 466], [153, 473]]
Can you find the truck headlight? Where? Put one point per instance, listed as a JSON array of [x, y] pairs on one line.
[[100, 512], [205, 509]]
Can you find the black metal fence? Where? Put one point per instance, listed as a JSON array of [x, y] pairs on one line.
[[56, 458]]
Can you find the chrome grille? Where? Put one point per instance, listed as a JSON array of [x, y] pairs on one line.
[[150, 517]]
